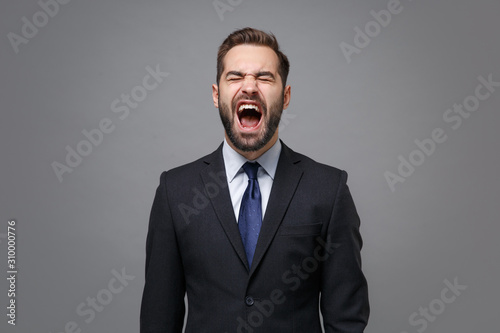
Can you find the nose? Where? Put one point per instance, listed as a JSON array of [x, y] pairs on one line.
[[249, 85]]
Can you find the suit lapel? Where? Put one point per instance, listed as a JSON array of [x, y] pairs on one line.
[[285, 182], [287, 178], [215, 173]]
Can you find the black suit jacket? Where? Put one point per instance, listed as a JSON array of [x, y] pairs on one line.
[[307, 257]]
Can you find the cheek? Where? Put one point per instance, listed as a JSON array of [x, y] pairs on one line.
[[228, 95], [272, 93]]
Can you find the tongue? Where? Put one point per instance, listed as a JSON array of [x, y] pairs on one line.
[[249, 121]]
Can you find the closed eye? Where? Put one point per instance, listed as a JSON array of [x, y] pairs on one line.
[[234, 76], [265, 76]]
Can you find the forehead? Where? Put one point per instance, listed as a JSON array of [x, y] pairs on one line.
[[251, 58]]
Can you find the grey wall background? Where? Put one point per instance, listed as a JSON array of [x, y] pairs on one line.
[[440, 224]]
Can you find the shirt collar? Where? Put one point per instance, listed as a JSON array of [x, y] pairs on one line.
[[233, 161]]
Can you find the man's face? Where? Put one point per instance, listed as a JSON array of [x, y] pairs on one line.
[[251, 97]]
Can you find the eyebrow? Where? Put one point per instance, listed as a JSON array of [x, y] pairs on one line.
[[258, 74], [266, 73]]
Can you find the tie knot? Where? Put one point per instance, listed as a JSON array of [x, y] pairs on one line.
[[251, 169]]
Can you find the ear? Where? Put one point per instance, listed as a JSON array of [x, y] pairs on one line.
[[215, 95], [286, 97]]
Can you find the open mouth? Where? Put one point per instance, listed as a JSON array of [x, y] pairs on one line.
[[249, 115]]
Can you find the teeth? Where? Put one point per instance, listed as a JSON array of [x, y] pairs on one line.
[[248, 106]]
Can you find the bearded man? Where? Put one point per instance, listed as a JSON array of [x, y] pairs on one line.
[[259, 237]]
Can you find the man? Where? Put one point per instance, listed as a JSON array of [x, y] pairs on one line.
[[261, 238]]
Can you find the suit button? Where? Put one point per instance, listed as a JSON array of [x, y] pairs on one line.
[[249, 300]]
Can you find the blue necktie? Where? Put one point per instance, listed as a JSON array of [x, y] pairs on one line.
[[250, 218]]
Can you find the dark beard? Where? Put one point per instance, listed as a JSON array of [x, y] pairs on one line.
[[242, 142]]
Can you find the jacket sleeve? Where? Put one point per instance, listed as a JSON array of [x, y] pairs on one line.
[[344, 291], [162, 308]]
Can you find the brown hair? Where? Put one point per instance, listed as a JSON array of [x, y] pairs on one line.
[[253, 37]]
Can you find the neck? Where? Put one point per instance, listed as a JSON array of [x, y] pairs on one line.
[[253, 155]]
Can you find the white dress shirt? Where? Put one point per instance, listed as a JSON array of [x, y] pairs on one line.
[[238, 179]]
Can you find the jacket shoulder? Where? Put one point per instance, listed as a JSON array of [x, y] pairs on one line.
[[310, 166], [186, 172]]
